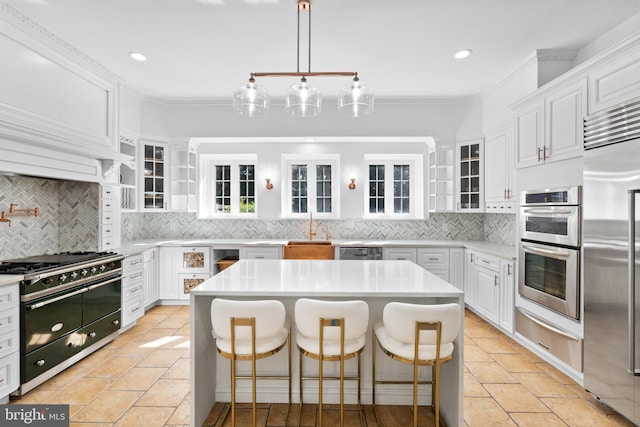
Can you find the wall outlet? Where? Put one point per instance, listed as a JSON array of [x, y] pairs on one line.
[[445, 227]]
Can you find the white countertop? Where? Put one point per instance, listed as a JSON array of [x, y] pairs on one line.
[[326, 278], [503, 251], [10, 279]]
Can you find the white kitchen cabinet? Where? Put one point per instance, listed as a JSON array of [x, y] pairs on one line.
[[109, 218], [549, 127], [154, 178], [128, 173], [434, 260], [499, 155], [469, 173], [181, 269], [132, 290], [183, 177], [615, 81], [456, 267], [470, 277], [150, 275], [260, 252], [507, 294], [487, 281], [400, 254], [442, 177], [9, 341]]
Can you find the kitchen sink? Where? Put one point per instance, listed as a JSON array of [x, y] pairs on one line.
[[308, 249]]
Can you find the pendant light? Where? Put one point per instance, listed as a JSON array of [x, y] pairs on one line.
[[302, 99]]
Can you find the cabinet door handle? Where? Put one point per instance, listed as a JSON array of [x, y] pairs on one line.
[[471, 256], [495, 280], [539, 150], [544, 153], [508, 269]]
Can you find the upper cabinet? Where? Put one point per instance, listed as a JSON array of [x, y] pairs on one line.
[[442, 177], [128, 174], [498, 166], [154, 176], [469, 158], [548, 127], [183, 177], [615, 81]]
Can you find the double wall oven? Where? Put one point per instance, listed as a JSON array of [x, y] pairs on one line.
[[70, 305], [549, 253]]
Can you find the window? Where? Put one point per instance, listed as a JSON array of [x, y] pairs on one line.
[[310, 186], [228, 186], [394, 187]]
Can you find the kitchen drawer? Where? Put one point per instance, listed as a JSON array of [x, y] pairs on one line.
[[260, 253], [109, 243], [550, 338], [190, 281], [399, 254], [194, 260], [9, 342], [132, 310], [9, 320], [131, 263], [433, 258], [443, 274], [488, 261], [101, 328], [107, 218], [9, 297], [107, 192], [9, 374], [133, 289]]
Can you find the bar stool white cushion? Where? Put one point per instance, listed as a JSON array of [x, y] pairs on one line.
[[272, 328], [396, 332], [307, 315]]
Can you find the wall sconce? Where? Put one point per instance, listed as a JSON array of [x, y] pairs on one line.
[[269, 184], [352, 185]]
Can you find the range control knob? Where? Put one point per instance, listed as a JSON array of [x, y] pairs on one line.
[[84, 272], [47, 282], [102, 267], [94, 269], [74, 274], [63, 277]]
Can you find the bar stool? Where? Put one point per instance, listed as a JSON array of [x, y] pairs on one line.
[[250, 330], [331, 331], [419, 335]]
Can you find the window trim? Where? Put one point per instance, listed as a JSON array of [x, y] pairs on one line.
[[287, 160], [416, 179], [206, 201]]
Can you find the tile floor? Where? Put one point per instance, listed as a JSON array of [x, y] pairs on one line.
[[142, 379]]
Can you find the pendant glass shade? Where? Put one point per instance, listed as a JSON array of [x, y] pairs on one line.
[[355, 99], [250, 100], [303, 100]]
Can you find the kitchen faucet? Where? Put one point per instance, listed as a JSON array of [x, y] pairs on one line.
[[311, 230]]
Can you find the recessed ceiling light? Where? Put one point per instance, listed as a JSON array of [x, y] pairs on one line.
[[137, 56], [463, 53]]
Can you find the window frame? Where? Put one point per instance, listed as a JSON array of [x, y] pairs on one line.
[[288, 160], [416, 188], [207, 199]]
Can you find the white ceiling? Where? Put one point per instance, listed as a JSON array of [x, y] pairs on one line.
[[201, 49]]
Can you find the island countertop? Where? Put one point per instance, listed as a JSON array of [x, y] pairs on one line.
[[375, 282], [326, 278]]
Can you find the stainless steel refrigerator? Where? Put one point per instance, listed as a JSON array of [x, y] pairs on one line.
[[611, 250]]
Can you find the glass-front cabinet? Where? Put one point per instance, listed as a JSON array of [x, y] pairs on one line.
[[153, 157], [470, 176], [128, 171]]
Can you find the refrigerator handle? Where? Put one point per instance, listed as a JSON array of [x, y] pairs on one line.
[[631, 316]]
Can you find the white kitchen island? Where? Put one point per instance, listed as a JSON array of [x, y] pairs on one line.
[[376, 282]]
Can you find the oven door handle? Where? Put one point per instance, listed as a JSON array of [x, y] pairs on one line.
[[547, 211], [631, 314], [544, 252], [56, 299], [106, 282]]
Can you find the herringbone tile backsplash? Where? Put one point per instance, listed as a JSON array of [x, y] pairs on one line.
[[67, 219], [499, 228]]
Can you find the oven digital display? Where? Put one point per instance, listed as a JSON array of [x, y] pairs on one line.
[[558, 197]]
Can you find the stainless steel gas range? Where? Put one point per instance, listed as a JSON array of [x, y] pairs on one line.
[[69, 307]]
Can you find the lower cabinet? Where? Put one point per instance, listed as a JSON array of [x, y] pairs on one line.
[[150, 275], [260, 252], [400, 254], [9, 341], [132, 290], [489, 286], [181, 269]]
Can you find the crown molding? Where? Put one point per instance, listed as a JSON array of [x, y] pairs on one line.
[[32, 27]]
